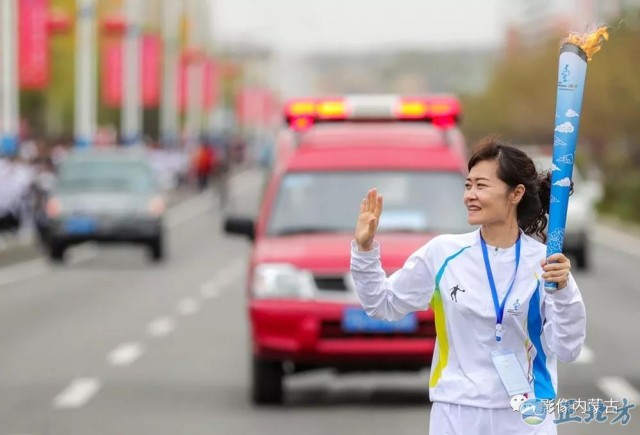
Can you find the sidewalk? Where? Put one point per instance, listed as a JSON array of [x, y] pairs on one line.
[[617, 235], [631, 229], [14, 249]]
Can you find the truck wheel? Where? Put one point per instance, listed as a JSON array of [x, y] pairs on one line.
[[267, 385]]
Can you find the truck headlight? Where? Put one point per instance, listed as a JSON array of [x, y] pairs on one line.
[[279, 281]]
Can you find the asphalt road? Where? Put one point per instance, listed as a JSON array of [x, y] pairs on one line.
[[112, 344]]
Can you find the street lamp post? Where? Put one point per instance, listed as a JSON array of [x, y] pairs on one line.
[[131, 115], [9, 77], [195, 76], [85, 91], [172, 11]]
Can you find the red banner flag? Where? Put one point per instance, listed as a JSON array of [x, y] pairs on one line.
[[255, 106], [181, 84], [210, 79], [150, 68], [33, 44], [112, 74], [151, 49], [210, 85]]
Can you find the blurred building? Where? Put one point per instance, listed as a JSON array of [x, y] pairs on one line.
[[404, 71], [152, 10]]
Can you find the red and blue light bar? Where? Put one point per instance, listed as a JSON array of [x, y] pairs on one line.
[[441, 110]]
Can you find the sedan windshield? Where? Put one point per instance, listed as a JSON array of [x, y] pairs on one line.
[[105, 176], [315, 202]]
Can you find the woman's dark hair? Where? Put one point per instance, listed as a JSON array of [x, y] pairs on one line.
[[516, 167]]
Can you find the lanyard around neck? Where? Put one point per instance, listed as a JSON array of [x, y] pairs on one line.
[[499, 307]]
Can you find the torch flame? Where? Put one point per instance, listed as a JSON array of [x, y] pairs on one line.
[[591, 43]]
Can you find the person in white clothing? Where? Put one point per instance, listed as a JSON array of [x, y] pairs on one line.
[[499, 333]]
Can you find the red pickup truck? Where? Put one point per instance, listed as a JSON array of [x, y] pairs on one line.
[[302, 306]]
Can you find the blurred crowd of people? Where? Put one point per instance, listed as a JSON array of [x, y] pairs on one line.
[[26, 179]]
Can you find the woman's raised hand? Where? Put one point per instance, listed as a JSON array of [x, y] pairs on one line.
[[370, 211]]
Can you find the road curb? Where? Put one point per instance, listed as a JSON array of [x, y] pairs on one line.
[[629, 228], [617, 235]]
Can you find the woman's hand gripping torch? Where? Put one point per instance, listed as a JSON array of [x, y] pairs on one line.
[[575, 52]]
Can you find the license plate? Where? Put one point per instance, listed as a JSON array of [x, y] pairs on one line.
[[355, 320], [80, 225]]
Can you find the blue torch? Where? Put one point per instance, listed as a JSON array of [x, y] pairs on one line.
[[572, 72]]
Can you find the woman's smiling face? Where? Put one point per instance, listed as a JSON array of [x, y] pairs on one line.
[[486, 195]]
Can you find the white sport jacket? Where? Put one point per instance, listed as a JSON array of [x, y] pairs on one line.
[[448, 275]]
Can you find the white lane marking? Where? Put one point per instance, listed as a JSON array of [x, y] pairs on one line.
[[586, 356], [615, 387], [214, 287], [22, 271], [189, 209], [125, 354], [82, 253], [238, 266], [161, 326], [209, 290], [616, 239], [230, 274], [188, 306], [226, 280], [78, 393]]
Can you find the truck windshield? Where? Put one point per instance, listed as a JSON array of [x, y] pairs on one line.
[[313, 202]]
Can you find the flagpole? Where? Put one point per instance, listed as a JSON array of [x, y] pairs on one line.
[[85, 85], [131, 114], [9, 121], [171, 13], [194, 78]]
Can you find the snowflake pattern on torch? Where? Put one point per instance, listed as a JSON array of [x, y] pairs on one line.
[[554, 240], [565, 127], [558, 142], [554, 199], [564, 182], [570, 113], [566, 159]]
